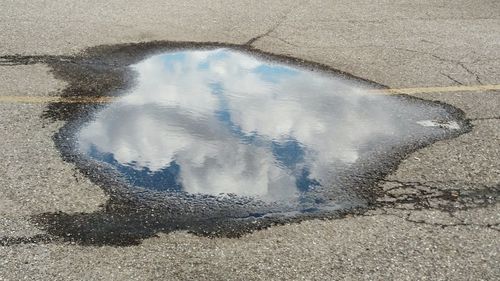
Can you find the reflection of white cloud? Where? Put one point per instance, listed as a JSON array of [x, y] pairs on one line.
[[170, 115], [211, 160]]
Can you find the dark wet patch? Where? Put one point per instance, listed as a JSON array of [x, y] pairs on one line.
[[120, 224], [126, 225], [220, 121], [134, 214]]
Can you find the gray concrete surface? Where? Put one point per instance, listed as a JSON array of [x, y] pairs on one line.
[[396, 43]]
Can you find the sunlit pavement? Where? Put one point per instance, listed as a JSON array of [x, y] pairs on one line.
[[438, 219]]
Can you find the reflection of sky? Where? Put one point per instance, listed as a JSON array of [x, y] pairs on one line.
[[221, 121]]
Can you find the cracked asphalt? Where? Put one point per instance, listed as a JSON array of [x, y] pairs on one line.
[[436, 217]]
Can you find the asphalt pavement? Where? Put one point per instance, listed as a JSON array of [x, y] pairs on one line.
[[437, 217]]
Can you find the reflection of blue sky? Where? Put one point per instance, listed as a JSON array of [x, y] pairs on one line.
[[288, 153], [273, 73], [165, 179], [205, 64], [172, 60], [231, 123]]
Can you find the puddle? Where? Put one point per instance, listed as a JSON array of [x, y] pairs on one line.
[[224, 125], [224, 139]]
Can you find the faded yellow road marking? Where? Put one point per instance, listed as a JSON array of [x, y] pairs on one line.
[[49, 99], [447, 89], [407, 91]]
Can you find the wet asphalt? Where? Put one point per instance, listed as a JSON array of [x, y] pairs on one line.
[[434, 217]]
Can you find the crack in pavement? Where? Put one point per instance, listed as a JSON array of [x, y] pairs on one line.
[[417, 196], [273, 28], [113, 226], [478, 80], [451, 78], [407, 197], [283, 40], [459, 63]]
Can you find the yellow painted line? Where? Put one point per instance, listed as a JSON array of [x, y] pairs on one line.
[[447, 89], [407, 91], [49, 99]]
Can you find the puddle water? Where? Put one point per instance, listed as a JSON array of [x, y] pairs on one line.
[[225, 124]]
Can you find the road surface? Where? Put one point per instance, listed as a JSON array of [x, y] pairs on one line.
[[436, 50]]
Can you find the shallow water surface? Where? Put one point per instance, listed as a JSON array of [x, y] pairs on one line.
[[221, 122]]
